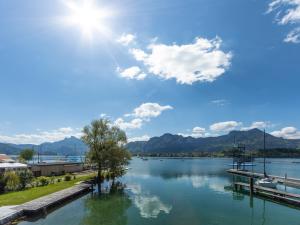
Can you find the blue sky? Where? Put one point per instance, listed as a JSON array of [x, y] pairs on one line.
[[194, 67]]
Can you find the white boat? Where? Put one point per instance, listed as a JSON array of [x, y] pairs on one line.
[[266, 182]]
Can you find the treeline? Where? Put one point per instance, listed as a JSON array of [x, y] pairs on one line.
[[269, 153]]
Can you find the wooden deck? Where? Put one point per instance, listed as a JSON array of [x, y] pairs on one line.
[[291, 182], [273, 194], [41, 204], [45, 202]]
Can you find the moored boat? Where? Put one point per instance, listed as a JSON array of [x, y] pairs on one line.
[[266, 182]]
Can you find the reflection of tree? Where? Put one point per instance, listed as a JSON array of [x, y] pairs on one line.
[[107, 210]]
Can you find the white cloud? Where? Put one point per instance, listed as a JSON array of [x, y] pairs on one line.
[[126, 39], [133, 72], [287, 133], [150, 109], [133, 124], [257, 124], [201, 61], [140, 138], [224, 126], [293, 36], [142, 114], [196, 133], [199, 130], [220, 102], [41, 136], [103, 115], [288, 13]]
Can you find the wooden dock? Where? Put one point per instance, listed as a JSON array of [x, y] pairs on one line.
[[272, 194], [8, 214], [291, 182]]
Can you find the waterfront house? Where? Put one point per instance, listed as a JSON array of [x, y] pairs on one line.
[[55, 168]]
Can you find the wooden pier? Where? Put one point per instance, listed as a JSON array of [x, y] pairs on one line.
[[291, 182], [8, 214], [272, 194]]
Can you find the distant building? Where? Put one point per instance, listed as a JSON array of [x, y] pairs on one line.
[[55, 168], [6, 164], [5, 159]]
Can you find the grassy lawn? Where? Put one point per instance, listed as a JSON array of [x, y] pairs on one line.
[[19, 197]]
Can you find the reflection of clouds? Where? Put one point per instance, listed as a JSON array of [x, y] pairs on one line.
[[214, 183], [150, 206], [134, 175], [135, 188]]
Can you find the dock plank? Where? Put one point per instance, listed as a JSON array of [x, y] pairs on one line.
[[274, 194]]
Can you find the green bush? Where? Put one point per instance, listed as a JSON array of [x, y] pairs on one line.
[[25, 177], [67, 177], [43, 181], [52, 179], [2, 184], [12, 181], [59, 180]]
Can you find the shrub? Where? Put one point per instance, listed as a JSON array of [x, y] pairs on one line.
[[2, 184], [12, 180], [52, 180], [59, 180], [67, 177], [43, 181], [25, 177]]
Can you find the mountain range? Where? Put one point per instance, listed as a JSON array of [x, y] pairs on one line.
[[67, 146], [167, 143], [252, 139]]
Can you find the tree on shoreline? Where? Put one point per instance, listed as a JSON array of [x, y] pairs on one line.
[[106, 148], [27, 154]]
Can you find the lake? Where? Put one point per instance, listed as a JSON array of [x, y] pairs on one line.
[[178, 192]]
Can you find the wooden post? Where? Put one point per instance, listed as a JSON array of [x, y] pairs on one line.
[[251, 186], [235, 187], [285, 179]]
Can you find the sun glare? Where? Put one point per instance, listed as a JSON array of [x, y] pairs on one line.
[[88, 17]]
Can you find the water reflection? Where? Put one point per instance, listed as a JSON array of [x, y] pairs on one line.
[[176, 192], [150, 206], [106, 209], [216, 184]]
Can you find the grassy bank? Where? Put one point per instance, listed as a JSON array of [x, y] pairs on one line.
[[19, 197]]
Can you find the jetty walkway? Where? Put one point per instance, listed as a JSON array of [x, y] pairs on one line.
[[10, 213], [291, 182]]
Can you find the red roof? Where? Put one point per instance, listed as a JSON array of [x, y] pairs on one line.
[[4, 157]]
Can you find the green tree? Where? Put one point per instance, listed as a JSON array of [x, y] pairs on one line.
[[25, 177], [27, 154], [104, 141], [12, 180], [118, 158]]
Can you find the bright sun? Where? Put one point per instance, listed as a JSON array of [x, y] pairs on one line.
[[88, 17]]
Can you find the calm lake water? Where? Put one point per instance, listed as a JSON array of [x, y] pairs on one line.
[[178, 192]]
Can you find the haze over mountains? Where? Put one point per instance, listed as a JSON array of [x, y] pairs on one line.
[[252, 139]]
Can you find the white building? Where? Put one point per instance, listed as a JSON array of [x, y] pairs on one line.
[[6, 163]]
